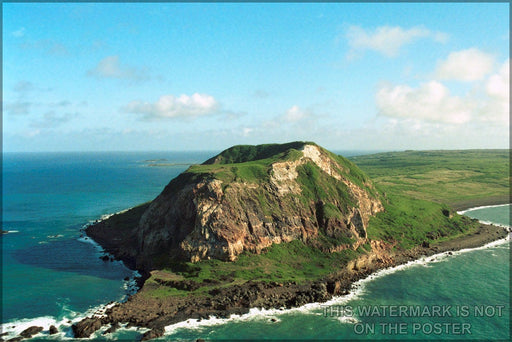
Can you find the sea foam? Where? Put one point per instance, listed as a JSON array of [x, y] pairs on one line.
[[356, 291], [462, 212]]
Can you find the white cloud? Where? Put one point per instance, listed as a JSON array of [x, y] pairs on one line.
[[170, 106], [387, 40], [498, 85], [246, 131], [110, 67], [497, 107], [486, 103], [430, 102], [295, 113], [466, 65]]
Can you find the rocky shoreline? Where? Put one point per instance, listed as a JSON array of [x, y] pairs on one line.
[[148, 312]]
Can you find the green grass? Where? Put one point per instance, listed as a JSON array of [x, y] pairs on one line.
[[409, 222], [247, 153], [449, 177], [422, 184], [286, 262], [416, 188], [253, 166]]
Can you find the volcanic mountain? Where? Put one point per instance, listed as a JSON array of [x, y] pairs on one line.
[[246, 199]]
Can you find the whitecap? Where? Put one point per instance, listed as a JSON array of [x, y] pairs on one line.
[[348, 319]]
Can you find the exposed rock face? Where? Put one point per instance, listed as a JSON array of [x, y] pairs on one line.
[[30, 331], [86, 327], [53, 330], [153, 333], [206, 215]]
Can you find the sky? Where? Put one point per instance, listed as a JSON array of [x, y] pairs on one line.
[[189, 76]]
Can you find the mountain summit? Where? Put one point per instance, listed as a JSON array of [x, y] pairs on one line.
[[244, 200]]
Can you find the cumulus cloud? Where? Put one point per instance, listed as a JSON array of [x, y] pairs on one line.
[[486, 103], [387, 40], [246, 131], [466, 65], [498, 85], [170, 106], [431, 101], [295, 114], [110, 67], [497, 107]]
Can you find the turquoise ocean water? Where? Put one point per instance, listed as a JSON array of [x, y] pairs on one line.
[[52, 275]]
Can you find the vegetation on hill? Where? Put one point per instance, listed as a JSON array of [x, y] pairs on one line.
[[456, 178], [248, 153], [416, 189], [309, 223]]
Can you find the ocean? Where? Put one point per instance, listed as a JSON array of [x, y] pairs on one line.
[[53, 275]]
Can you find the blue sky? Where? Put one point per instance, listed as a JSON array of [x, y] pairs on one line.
[[183, 76]]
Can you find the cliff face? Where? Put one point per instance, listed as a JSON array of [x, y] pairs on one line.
[[248, 198]]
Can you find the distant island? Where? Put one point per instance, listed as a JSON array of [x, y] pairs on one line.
[[279, 226]]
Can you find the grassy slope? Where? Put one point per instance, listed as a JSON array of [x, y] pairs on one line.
[[411, 180], [419, 184], [449, 177]]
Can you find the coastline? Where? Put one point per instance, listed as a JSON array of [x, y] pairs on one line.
[[131, 285], [463, 211], [466, 205], [159, 317]]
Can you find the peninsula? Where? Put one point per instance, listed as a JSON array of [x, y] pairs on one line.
[[271, 226]]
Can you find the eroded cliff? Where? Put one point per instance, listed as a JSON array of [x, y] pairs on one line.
[[248, 198]]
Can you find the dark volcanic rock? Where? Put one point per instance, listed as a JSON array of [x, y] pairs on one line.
[[112, 328], [27, 333], [153, 333], [15, 339], [53, 330], [86, 327]]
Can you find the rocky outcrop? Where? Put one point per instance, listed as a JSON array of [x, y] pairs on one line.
[[153, 333], [31, 331], [202, 215], [86, 327]]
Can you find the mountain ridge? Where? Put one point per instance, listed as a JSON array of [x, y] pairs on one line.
[[246, 199]]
